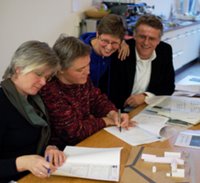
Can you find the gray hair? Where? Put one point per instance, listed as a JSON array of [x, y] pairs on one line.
[[32, 55], [150, 20], [69, 48]]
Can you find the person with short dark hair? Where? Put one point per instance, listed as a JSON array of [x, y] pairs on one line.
[[147, 71], [25, 130], [106, 42]]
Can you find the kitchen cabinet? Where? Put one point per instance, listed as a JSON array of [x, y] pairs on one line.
[[185, 42]]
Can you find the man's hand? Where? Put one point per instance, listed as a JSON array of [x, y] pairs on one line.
[[135, 100]]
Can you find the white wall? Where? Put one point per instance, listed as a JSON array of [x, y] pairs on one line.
[[22, 20]]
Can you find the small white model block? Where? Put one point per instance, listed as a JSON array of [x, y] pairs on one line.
[[178, 173], [174, 165], [168, 174], [154, 169], [155, 159], [172, 154]]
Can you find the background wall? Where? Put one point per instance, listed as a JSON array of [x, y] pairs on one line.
[[22, 20], [162, 7]]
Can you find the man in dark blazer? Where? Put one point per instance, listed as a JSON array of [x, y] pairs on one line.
[[148, 71]]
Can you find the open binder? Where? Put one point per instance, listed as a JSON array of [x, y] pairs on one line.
[[91, 163]]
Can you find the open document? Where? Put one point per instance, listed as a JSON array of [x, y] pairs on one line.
[[177, 108], [148, 129], [188, 138], [188, 86], [91, 163]]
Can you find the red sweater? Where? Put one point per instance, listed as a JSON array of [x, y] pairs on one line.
[[75, 111]]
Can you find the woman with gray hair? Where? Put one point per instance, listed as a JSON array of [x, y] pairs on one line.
[[25, 131], [76, 108]]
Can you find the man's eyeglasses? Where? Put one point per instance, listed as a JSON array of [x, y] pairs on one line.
[[106, 42], [149, 38]]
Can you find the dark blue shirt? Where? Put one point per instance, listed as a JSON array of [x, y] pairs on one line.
[[99, 66]]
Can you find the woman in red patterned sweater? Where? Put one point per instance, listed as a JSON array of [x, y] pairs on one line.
[[77, 109]]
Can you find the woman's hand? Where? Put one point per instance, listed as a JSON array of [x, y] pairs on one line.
[[55, 156], [124, 122], [124, 51], [108, 121], [36, 164]]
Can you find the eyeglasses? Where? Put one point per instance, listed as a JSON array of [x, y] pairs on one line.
[[41, 75], [149, 38], [106, 42]]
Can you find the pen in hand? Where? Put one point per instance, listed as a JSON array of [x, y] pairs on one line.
[[119, 119], [48, 170]]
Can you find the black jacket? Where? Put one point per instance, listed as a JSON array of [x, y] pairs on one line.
[[17, 138], [123, 73]]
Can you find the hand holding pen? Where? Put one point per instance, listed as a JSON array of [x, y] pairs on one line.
[[121, 120], [36, 164], [55, 157]]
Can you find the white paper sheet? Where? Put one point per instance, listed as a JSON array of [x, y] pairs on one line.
[[189, 138], [147, 130], [150, 123], [189, 86], [176, 107], [91, 163]]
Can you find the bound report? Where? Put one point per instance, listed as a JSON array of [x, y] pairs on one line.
[[91, 163], [189, 138], [178, 109], [148, 129]]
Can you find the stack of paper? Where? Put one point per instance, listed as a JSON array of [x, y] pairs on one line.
[[189, 86], [91, 163], [177, 108]]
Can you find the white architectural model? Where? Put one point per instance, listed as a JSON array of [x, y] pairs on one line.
[[173, 158]]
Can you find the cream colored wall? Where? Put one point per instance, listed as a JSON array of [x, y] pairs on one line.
[[22, 20]]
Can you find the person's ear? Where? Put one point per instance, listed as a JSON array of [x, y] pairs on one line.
[[97, 34], [17, 70]]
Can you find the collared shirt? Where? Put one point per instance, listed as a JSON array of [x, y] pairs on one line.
[[143, 73]]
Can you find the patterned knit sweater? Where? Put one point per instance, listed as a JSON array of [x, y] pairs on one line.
[[75, 111]]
